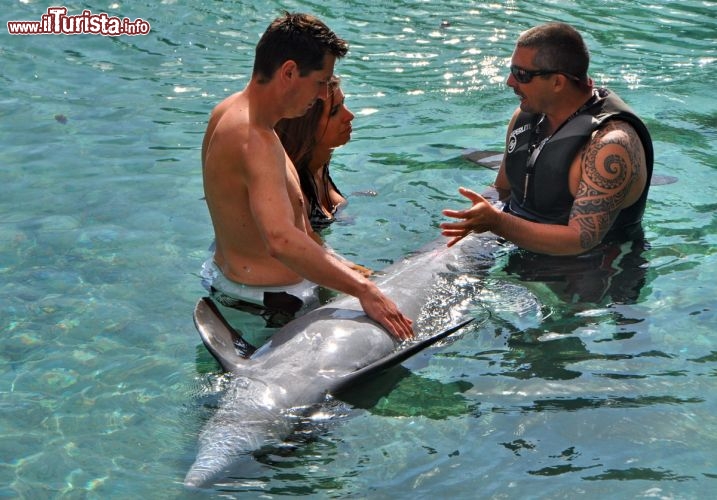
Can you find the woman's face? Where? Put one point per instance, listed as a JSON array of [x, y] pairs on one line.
[[334, 128]]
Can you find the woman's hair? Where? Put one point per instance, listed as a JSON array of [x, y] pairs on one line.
[[559, 47], [302, 38], [298, 136]]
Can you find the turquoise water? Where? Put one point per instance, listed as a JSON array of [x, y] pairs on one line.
[[104, 384]]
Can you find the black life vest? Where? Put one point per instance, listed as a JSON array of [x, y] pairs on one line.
[[549, 199]]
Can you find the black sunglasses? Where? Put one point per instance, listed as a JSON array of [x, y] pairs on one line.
[[523, 75]]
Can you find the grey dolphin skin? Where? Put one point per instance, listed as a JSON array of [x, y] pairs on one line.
[[326, 351]]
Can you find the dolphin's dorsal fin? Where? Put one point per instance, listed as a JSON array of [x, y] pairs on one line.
[[393, 359], [219, 337]]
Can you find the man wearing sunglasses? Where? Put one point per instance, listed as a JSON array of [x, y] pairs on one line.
[[578, 161]]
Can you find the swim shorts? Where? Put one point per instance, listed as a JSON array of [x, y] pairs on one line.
[[276, 304]]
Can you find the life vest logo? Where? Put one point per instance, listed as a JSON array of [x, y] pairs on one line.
[[513, 139]]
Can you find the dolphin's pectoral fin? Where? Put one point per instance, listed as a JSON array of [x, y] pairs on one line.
[[488, 159], [220, 339], [661, 180], [393, 359]]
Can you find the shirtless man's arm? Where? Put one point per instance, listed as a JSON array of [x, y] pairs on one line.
[[294, 247]]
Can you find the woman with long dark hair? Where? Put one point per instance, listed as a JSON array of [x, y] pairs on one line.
[[309, 141]]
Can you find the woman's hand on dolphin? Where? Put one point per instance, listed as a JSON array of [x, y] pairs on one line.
[[382, 310], [362, 270], [479, 218]]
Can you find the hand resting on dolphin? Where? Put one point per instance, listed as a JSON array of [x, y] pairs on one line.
[[326, 351]]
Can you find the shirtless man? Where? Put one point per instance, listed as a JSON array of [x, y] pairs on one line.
[[578, 161], [252, 190]]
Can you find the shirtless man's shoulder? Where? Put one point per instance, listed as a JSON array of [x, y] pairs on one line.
[[244, 169]]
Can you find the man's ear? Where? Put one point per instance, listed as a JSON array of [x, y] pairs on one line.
[[289, 70], [561, 81]]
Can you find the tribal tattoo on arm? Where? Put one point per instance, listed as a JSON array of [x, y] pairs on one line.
[[610, 167]]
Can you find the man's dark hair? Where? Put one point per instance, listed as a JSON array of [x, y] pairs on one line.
[[559, 47], [299, 37]]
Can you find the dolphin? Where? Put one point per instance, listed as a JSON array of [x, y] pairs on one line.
[[324, 352]]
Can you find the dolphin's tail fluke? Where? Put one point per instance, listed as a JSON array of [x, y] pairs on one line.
[[223, 341]]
